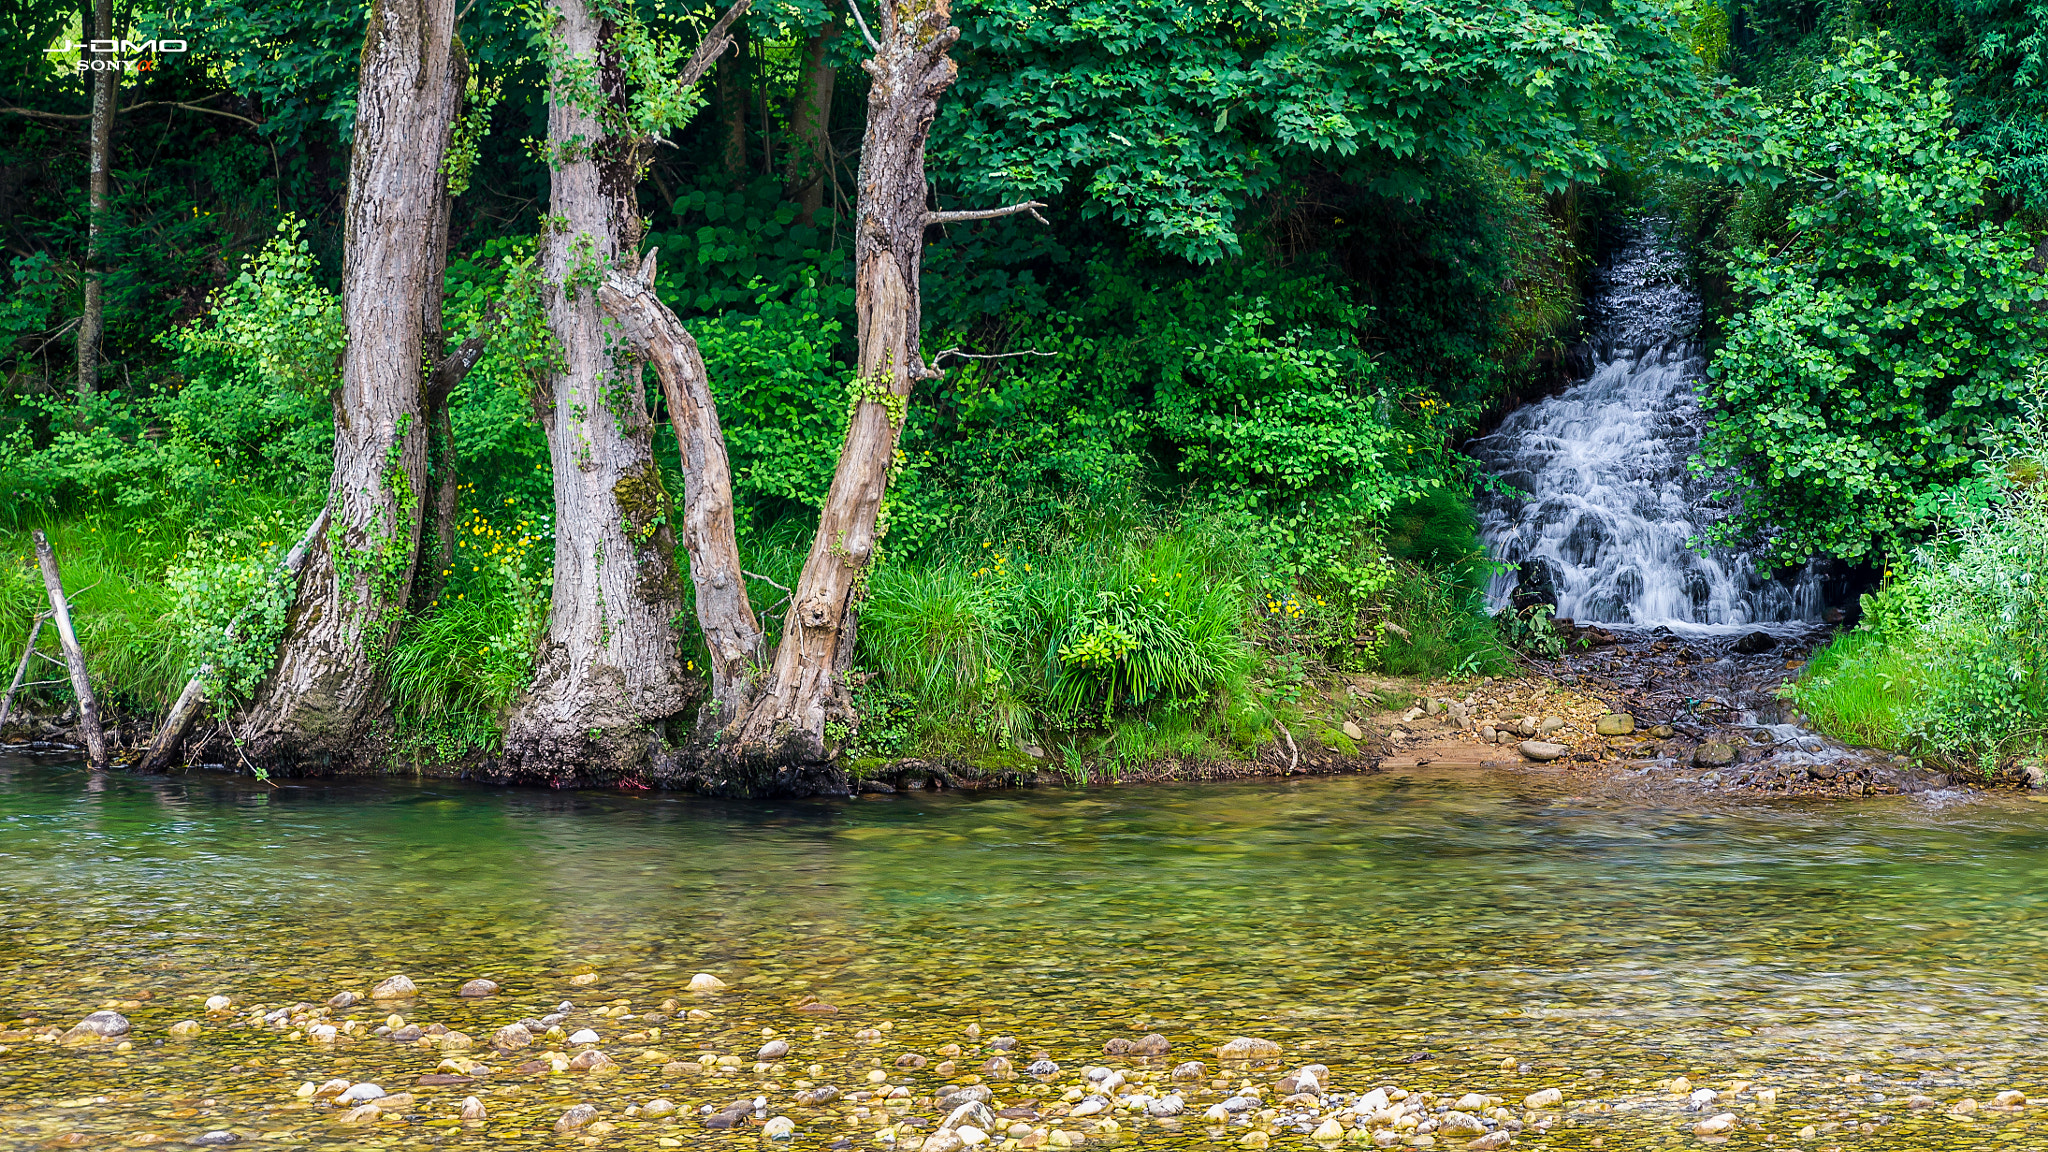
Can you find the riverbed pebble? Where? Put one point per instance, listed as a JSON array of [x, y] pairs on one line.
[[579, 1116], [1715, 1125], [511, 1037], [478, 987], [395, 987], [1248, 1048], [473, 1109], [706, 982], [359, 1093]]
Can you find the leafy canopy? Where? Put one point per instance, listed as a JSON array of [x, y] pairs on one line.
[[1177, 115]]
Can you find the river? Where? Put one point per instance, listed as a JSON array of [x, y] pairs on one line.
[[1500, 933]]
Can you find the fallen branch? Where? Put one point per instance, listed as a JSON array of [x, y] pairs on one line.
[[1296, 761], [74, 657], [1030, 206], [21, 670], [178, 721]]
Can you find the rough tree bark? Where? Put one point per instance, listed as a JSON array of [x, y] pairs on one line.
[[810, 122], [782, 738], [92, 316], [609, 677], [316, 708], [731, 632]]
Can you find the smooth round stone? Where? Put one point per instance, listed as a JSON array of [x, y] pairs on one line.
[[478, 987], [1542, 750], [398, 987]]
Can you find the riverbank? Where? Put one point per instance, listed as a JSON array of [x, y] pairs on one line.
[[1701, 711]]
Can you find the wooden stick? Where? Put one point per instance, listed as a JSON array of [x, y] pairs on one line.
[[178, 721], [74, 657], [7, 701]]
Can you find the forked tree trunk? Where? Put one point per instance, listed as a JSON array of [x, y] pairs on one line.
[[92, 314], [810, 122], [609, 677], [732, 634], [325, 693], [783, 738]]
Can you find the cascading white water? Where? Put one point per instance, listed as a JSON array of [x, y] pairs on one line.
[[1611, 504]]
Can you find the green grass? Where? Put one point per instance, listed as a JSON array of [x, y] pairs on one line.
[[1857, 690], [113, 577]]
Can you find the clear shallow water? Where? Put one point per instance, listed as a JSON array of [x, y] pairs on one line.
[[1357, 921]]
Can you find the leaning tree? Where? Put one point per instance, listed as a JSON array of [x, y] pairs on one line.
[[771, 725], [325, 693]]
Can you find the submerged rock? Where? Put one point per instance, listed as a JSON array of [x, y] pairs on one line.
[[1756, 642], [360, 1094], [1248, 1048], [578, 1117], [772, 1050], [101, 1025], [706, 982], [398, 987], [478, 987]]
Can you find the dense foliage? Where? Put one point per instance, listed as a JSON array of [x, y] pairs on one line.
[[1951, 660], [1885, 328]]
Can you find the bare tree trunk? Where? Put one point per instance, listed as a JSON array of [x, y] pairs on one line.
[[74, 657], [732, 93], [784, 737], [731, 632], [325, 693], [810, 123], [105, 86], [609, 675]]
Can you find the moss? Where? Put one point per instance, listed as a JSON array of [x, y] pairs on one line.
[[642, 500]]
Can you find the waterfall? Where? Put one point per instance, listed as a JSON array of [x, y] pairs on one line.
[[1606, 505]]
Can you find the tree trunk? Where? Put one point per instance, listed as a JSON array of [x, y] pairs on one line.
[[608, 677], [731, 632], [732, 93], [783, 739], [74, 656], [105, 86], [325, 693], [810, 123]]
